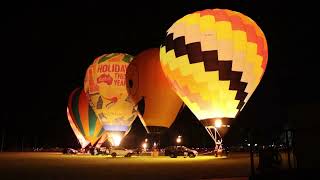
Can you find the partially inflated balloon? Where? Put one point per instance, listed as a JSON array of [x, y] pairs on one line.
[[146, 82], [214, 59], [106, 88], [82, 118]]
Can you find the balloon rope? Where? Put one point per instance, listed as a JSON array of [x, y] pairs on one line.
[[142, 121]]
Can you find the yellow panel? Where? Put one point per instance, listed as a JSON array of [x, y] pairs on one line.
[[192, 33], [238, 61], [163, 56], [207, 23], [225, 50], [224, 30], [247, 75], [209, 41], [178, 30], [191, 19], [250, 62], [239, 40], [184, 82], [183, 61]]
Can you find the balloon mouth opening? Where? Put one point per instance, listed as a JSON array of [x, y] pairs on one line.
[[216, 122]]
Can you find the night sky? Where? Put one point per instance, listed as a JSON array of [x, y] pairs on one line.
[[48, 46]]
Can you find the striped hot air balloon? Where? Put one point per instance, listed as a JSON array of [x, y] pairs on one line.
[[83, 120], [105, 85], [214, 60]]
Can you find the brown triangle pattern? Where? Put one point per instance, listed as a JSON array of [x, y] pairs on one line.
[[211, 63]]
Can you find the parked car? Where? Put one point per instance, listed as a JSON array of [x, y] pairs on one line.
[[174, 151], [120, 151], [97, 151]]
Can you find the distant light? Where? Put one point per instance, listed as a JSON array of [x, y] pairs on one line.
[[144, 145], [146, 140], [154, 144], [255, 144], [248, 144], [178, 139], [218, 123]]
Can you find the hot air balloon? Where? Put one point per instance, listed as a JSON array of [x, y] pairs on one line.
[[147, 84], [83, 120], [105, 86], [214, 60]]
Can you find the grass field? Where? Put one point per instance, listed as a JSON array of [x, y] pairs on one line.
[[58, 166]]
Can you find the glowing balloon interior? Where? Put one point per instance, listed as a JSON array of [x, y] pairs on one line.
[[214, 60]]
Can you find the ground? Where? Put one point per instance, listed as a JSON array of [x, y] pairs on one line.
[[39, 165]]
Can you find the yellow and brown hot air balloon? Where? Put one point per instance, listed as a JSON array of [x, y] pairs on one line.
[[83, 120], [146, 82], [105, 86], [214, 60]]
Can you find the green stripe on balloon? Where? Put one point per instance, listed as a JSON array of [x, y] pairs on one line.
[[127, 58], [101, 132], [92, 121], [75, 109], [106, 57]]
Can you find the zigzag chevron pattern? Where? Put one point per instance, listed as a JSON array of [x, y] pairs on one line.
[[214, 60]]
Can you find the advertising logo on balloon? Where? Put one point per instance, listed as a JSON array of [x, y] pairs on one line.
[[112, 74], [105, 79]]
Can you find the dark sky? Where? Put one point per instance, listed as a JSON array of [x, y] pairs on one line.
[[48, 46]]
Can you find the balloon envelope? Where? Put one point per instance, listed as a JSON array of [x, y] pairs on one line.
[[82, 118], [214, 59], [83, 142], [146, 81], [105, 86]]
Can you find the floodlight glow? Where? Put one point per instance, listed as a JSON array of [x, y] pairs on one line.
[[116, 139]]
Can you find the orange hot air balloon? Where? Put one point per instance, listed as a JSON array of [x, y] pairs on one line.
[[214, 59], [146, 82]]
